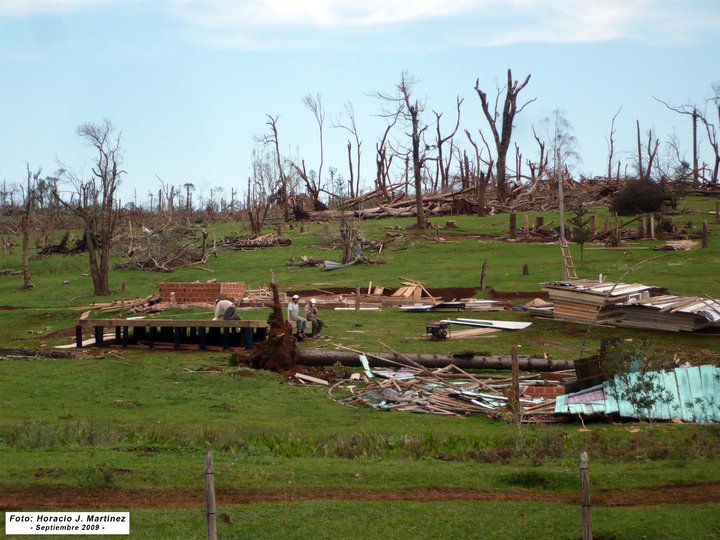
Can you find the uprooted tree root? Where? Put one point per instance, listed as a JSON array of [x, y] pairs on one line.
[[277, 353]]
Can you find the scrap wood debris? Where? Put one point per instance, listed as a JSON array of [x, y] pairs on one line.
[[137, 305], [448, 391], [679, 245]]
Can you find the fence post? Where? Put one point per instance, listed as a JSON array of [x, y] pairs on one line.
[[585, 496], [515, 379], [210, 497]]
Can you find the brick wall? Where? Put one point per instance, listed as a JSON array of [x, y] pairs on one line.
[[191, 293], [544, 391]]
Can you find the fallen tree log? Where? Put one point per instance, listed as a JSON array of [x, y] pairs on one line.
[[34, 353], [325, 357]]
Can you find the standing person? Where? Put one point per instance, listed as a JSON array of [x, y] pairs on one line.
[[311, 316], [293, 311], [225, 310]]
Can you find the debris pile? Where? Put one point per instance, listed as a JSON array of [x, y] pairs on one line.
[[448, 391], [630, 305], [254, 241], [149, 304], [167, 249]]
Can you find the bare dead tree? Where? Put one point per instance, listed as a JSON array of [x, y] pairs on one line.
[[711, 130], [639, 151], [538, 169], [645, 173], [481, 179], [692, 111], [383, 161], [611, 144], [443, 167], [351, 127], [409, 109], [314, 184], [260, 187], [272, 139], [502, 134], [29, 201], [95, 203]]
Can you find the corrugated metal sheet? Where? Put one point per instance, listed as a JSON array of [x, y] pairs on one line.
[[693, 396]]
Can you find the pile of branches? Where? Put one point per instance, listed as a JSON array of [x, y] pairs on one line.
[[254, 241], [540, 194], [174, 246], [65, 246], [304, 260]]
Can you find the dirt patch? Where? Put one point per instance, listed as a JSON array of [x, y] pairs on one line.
[[446, 294], [331, 375], [43, 498], [65, 332], [516, 295]]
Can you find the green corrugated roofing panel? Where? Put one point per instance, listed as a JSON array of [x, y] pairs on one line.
[[711, 387], [689, 411], [693, 394], [670, 410]]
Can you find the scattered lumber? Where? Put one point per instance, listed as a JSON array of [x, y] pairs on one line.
[[677, 245], [449, 391], [630, 305]]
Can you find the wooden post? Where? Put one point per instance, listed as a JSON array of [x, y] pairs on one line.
[[515, 379], [78, 336], [210, 497], [122, 298], [526, 225], [585, 496], [705, 234], [357, 297], [593, 225], [650, 226], [526, 270], [539, 222], [513, 225], [641, 230], [483, 275], [279, 229]]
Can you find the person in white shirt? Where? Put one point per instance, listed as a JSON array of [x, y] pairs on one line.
[[293, 311], [225, 310]]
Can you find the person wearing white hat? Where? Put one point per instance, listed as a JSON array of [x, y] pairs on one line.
[[311, 316], [293, 311]]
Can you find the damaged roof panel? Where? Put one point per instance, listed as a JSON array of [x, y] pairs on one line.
[[691, 394]]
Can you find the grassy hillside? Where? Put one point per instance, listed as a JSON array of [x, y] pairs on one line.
[[130, 428]]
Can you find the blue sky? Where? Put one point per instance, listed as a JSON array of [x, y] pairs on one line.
[[189, 82]]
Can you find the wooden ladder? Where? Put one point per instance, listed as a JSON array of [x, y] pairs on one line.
[[567, 261]]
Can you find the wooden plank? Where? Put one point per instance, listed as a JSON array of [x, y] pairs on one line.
[[170, 323], [310, 378]]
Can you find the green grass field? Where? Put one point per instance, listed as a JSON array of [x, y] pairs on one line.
[[136, 422]]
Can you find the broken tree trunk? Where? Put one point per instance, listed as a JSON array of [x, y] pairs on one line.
[[277, 353], [324, 357]]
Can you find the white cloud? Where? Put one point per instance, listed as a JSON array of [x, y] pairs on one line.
[[471, 22]]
